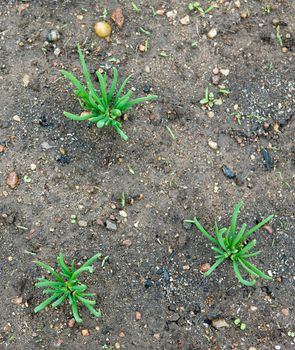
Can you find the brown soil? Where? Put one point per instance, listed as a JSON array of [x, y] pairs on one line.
[[83, 171]]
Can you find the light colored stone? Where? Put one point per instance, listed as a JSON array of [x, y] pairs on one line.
[[185, 20], [224, 72], [85, 332], [212, 33], [212, 144], [171, 15], [123, 213], [82, 223], [220, 323], [16, 118]]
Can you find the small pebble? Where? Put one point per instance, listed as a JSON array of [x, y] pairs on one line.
[[137, 315], [33, 166], [215, 79], [237, 4], [268, 229], [224, 72], [228, 172], [276, 21], [205, 267], [220, 323], [146, 89], [99, 222], [244, 14], [85, 332], [53, 36], [111, 226], [210, 114], [252, 348], [171, 15], [82, 223], [157, 335], [284, 49], [160, 12], [2, 148], [16, 118], [212, 144], [253, 308], [118, 17], [141, 48], [117, 345], [215, 70], [17, 300], [71, 323], [121, 334], [123, 213], [212, 33], [185, 20], [57, 51], [127, 242], [12, 180], [186, 267], [285, 312]]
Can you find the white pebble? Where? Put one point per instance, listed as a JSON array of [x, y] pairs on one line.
[[212, 33], [185, 20], [16, 118]]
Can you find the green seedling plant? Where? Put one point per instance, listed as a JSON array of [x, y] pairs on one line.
[[239, 324], [209, 100], [231, 243], [66, 286], [104, 106], [279, 36], [196, 6]]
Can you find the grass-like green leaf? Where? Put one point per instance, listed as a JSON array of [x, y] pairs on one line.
[[214, 266], [257, 227], [49, 269], [202, 230], [234, 219], [46, 302], [240, 278]]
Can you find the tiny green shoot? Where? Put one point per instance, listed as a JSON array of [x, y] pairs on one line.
[[267, 9], [73, 219], [209, 99], [123, 200], [278, 36], [196, 6], [131, 170], [144, 31], [170, 132], [231, 243], [66, 286], [104, 14], [135, 8]]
